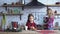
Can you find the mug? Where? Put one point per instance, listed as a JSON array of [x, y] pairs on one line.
[[26, 27]]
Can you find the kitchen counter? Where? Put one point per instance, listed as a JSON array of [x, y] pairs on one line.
[[32, 32], [23, 32]]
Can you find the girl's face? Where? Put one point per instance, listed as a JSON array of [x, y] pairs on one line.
[[50, 13], [31, 19]]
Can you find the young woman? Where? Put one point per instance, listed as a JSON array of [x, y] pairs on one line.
[[50, 14], [30, 23]]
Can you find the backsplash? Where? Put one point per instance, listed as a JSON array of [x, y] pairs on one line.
[[38, 13]]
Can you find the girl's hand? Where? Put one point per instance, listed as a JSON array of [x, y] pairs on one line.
[[33, 28]]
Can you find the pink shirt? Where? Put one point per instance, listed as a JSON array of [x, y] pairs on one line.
[[50, 21]]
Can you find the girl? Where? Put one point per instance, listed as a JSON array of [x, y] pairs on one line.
[[30, 22], [50, 14]]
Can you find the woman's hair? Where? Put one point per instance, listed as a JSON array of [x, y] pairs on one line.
[[29, 17]]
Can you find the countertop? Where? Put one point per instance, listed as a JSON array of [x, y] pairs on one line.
[[34, 32]]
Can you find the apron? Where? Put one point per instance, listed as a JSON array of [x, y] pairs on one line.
[[50, 23]]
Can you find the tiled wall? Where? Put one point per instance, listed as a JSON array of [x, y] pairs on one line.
[[38, 12]]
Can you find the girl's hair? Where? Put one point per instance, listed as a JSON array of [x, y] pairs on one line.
[[48, 10], [52, 12], [29, 17]]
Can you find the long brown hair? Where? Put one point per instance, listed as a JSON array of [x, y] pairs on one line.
[[29, 17], [48, 10]]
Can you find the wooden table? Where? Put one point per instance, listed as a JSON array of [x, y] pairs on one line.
[[33, 32], [23, 32], [49, 31]]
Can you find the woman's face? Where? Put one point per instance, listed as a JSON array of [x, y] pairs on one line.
[[31, 19]]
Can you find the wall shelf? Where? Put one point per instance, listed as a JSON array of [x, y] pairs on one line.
[[13, 5], [46, 6], [53, 5], [57, 14], [28, 6], [20, 5], [11, 14]]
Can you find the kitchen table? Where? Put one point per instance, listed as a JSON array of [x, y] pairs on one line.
[[22, 32], [33, 32]]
